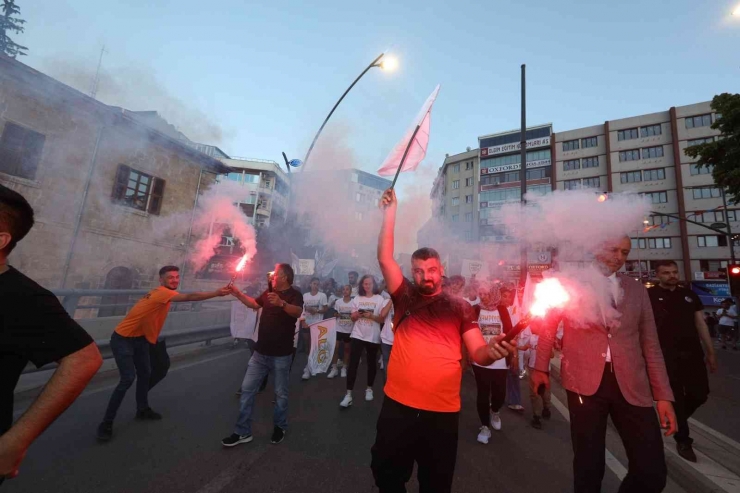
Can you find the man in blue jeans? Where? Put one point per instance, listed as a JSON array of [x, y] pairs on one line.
[[281, 306]]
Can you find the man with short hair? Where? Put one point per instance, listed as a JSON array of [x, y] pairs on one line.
[[612, 368], [132, 339], [679, 316], [353, 277], [457, 284], [420, 414], [281, 305], [34, 327], [315, 305]]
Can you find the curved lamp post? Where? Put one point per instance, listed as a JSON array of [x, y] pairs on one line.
[[382, 61]]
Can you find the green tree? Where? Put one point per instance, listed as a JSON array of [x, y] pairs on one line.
[[9, 21], [723, 155]]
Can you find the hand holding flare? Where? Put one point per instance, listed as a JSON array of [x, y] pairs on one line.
[[239, 268]]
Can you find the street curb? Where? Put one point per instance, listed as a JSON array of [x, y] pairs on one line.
[[679, 472]]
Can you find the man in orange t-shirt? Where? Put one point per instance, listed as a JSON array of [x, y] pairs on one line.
[[132, 339], [420, 414]]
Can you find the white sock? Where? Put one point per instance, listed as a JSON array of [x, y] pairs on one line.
[[349, 393]]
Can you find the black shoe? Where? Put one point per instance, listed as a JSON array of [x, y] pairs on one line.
[[105, 431], [546, 413], [235, 439], [148, 414], [536, 423], [686, 451], [278, 434]]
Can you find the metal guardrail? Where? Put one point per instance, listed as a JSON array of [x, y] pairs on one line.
[[174, 339]]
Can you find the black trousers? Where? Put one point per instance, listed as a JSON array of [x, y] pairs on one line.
[[690, 384], [354, 362], [405, 435], [637, 426], [491, 392]]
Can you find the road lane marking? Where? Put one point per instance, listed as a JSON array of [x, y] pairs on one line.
[[716, 434], [717, 474]]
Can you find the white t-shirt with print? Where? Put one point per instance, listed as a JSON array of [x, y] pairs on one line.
[[313, 301], [474, 302], [489, 322], [386, 334], [366, 329], [344, 316], [727, 320]]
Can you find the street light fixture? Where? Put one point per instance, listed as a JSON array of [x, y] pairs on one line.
[[383, 62]]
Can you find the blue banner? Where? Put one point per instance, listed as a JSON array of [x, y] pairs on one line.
[[711, 293]]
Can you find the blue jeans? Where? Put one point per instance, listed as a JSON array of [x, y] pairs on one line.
[[386, 350], [132, 358], [513, 391], [259, 367]]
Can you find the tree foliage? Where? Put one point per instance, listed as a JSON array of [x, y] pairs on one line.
[[10, 22], [723, 155]]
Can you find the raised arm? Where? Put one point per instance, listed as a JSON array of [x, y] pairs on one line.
[[246, 300], [388, 265], [202, 296]]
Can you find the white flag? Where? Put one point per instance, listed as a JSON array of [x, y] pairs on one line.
[[243, 321], [323, 340]]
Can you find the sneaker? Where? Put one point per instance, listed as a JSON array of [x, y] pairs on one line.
[[148, 414], [546, 413], [278, 434], [306, 374], [344, 373], [105, 431], [536, 423], [235, 439], [369, 394], [518, 408], [496, 421], [685, 450], [484, 435], [347, 401], [333, 372]]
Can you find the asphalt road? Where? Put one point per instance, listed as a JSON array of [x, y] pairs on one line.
[[722, 409], [326, 449]]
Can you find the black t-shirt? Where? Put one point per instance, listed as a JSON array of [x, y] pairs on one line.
[[277, 328], [674, 315], [33, 327]]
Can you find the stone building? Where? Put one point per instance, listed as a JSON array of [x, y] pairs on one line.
[[114, 197]]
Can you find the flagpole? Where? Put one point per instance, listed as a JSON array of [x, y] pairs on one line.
[[405, 153]]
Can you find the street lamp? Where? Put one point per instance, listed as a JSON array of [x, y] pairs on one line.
[[383, 62]]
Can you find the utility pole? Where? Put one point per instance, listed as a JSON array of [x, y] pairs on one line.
[[523, 181], [96, 80]]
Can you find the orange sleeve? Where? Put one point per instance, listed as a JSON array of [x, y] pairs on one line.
[[163, 295]]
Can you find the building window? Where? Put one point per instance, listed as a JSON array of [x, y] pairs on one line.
[[138, 190], [358, 197], [571, 184], [658, 220], [631, 155], [250, 178], [571, 164], [468, 182], [538, 173], [468, 165], [652, 152], [695, 169], [570, 145], [355, 178], [591, 162], [20, 151], [468, 235], [456, 168], [630, 177], [455, 184], [650, 130], [468, 217], [455, 200], [455, 218], [713, 265], [711, 241], [706, 193], [659, 243], [468, 199], [358, 215], [589, 142], [656, 197], [714, 217], [696, 142], [592, 182], [653, 174], [639, 244], [699, 121], [627, 134]]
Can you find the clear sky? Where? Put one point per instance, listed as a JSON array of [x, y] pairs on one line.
[[268, 72]]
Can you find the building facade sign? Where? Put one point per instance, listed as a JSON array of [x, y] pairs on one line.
[[502, 149], [514, 167]]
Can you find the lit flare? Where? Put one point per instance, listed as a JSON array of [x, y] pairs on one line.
[[547, 295], [239, 268]]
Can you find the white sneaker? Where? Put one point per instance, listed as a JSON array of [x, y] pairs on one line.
[[344, 372], [333, 372], [368, 394], [306, 374], [496, 421], [484, 435], [347, 401]]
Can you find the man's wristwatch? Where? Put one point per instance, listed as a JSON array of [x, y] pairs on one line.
[[283, 305]]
